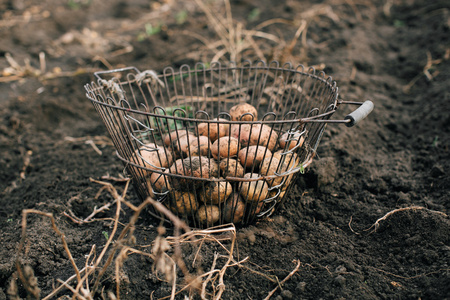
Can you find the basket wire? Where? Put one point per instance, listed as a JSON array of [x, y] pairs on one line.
[[141, 109]]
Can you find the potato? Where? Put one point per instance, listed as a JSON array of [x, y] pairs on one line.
[[289, 158], [153, 157], [271, 166], [202, 166], [231, 168], [174, 135], [194, 166], [243, 112], [215, 192], [234, 209], [294, 139], [181, 145], [213, 130], [183, 203], [226, 146], [256, 134], [199, 146], [253, 191], [274, 193], [160, 182], [208, 214], [253, 156]]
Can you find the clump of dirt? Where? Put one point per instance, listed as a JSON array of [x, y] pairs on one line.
[[52, 142]]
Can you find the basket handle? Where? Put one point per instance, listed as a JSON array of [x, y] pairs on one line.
[[97, 74], [358, 114]]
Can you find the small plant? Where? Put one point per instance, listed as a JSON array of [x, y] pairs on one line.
[[149, 31], [254, 15], [106, 235], [181, 17]]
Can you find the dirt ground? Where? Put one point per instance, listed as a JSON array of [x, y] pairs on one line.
[[395, 53]]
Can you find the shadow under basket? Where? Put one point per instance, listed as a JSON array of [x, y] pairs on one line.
[[217, 143]]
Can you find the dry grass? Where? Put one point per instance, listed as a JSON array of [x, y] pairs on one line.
[[165, 252]]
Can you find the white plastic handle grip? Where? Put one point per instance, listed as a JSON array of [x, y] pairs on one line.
[[360, 113]]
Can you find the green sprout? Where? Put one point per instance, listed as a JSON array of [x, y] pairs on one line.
[[181, 17], [106, 235], [149, 31], [254, 14]]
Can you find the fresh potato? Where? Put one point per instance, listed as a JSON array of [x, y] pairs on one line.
[[295, 139], [181, 145], [234, 209], [160, 182], [253, 191], [208, 214], [174, 135], [253, 156], [226, 146], [243, 112], [183, 203], [231, 168], [274, 193], [263, 135], [199, 146], [153, 157], [216, 192], [289, 158], [213, 130], [202, 166], [271, 166], [256, 134]]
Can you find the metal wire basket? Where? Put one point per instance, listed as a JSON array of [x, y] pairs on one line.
[[217, 143]]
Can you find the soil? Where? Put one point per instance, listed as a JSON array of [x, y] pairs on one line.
[[395, 53]]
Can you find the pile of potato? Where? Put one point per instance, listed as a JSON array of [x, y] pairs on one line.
[[215, 173]]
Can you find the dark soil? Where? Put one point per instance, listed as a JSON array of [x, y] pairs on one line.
[[396, 158]]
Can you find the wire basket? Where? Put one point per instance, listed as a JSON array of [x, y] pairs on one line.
[[217, 143]]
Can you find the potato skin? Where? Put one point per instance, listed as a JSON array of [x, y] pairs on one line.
[[237, 112], [183, 203], [253, 191], [150, 158], [295, 139], [181, 145], [199, 146], [194, 166], [160, 182], [216, 130], [231, 168], [256, 134], [208, 214], [233, 209], [216, 192], [253, 156], [174, 135], [226, 146], [271, 165]]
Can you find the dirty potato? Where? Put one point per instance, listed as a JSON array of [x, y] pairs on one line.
[[181, 145], [253, 156], [208, 214], [215, 192], [256, 134], [160, 182], [194, 166], [199, 146], [272, 166], [293, 138], [183, 203], [226, 146], [243, 112], [153, 157], [253, 191], [234, 209], [174, 135], [213, 130], [231, 168]]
